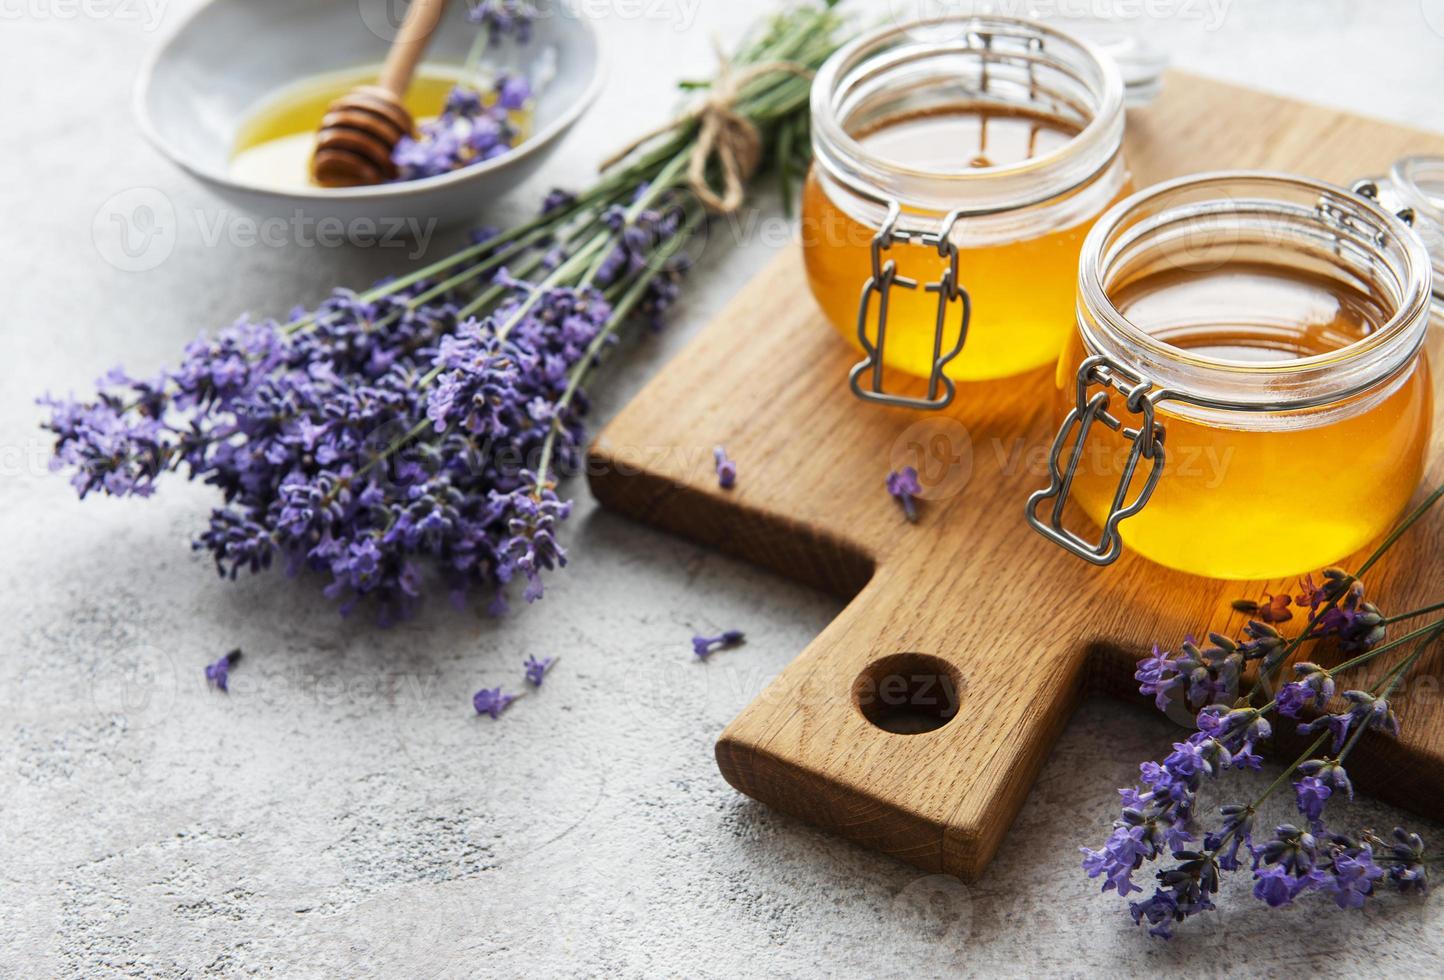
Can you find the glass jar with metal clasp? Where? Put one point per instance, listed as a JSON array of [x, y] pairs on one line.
[[1247, 393], [959, 163]]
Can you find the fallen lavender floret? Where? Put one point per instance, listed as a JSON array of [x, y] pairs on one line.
[[492, 701], [536, 670], [219, 673], [705, 646], [726, 469], [903, 484]]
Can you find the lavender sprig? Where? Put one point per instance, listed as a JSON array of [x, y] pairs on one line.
[[1160, 815]]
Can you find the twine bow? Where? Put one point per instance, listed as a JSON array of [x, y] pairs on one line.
[[723, 133]]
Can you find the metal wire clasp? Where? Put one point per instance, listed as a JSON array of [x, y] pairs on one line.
[[1147, 444], [884, 278]]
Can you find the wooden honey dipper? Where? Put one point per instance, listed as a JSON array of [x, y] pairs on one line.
[[361, 128]]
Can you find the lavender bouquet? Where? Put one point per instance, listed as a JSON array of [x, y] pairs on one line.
[[1161, 815], [408, 439]]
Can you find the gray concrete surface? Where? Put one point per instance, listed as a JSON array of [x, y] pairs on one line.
[[342, 812]]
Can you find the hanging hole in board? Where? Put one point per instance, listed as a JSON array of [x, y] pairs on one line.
[[908, 693]]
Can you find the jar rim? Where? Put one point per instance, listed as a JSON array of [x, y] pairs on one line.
[[1097, 142], [1301, 382]]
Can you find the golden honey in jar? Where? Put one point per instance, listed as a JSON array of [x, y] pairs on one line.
[[1000, 138], [1252, 346]]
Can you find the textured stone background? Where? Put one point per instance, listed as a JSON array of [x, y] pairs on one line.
[[342, 812]]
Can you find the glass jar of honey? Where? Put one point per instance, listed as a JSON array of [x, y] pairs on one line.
[[1246, 394], [959, 163]]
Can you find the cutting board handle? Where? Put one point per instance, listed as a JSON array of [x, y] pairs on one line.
[[903, 727]]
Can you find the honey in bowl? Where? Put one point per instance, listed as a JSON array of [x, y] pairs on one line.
[[1021, 281], [273, 145], [1298, 492]]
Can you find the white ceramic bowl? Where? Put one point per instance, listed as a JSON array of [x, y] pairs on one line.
[[230, 55]]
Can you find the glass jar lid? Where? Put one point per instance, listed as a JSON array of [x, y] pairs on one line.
[[928, 64], [1414, 187], [1208, 220]]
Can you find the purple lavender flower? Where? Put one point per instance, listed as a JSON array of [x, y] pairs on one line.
[[1138, 836], [1277, 887], [536, 670], [1407, 869], [1285, 866], [726, 469], [1331, 773], [1199, 676], [637, 238], [557, 199], [470, 129], [1352, 873], [1233, 835], [1335, 583], [1161, 912], [1359, 625], [504, 19], [705, 646], [219, 673], [1365, 710], [1186, 890], [491, 701], [1315, 688], [1312, 793], [513, 92], [903, 484]]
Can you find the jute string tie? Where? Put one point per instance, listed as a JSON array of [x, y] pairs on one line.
[[724, 134]]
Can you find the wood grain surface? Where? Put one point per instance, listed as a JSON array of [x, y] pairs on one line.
[[1023, 628]]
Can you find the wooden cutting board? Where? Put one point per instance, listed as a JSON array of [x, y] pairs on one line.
[[969, 596]]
